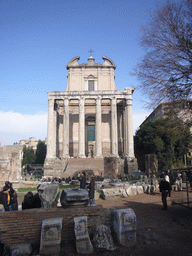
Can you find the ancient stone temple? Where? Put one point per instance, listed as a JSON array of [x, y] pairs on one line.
[[91, 119]]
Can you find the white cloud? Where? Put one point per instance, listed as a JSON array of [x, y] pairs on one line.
[[16, 126]]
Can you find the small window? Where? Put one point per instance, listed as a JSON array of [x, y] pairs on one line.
[[91, 85]]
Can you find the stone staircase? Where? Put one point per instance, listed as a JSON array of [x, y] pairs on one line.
[[76, 165]]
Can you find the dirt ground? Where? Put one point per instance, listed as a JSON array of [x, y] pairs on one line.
[[159, 232]]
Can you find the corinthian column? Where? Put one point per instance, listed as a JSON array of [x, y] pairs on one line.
[[51, 131], [66, 129], [125, 129], [129, 131], [114, 143], [81, 128], [98, 128]]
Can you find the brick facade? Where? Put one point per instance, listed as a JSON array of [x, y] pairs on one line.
[[25, 226]]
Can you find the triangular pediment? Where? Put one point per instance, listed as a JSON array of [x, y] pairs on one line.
[[90, 77]]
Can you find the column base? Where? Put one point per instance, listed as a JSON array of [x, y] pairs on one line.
[[114, 155], [81, 156], [131, 165], [99, 156], [65, 156]]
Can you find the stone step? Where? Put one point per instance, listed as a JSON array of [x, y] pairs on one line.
[[76, 165]]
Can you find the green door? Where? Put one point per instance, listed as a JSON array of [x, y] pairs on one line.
[[90, 132]]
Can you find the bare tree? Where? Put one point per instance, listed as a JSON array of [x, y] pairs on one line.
[[165, 72]]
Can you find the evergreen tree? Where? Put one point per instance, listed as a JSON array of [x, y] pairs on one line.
[[40, 152], [169, 141], [28, 156]]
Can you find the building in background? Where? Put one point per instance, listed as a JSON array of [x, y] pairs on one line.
[[179, 109], [10, 159]]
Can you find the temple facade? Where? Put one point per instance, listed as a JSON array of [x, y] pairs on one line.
[[91, 118]]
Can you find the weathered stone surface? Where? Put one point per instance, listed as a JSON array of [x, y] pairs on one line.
[[83, 243], [124, 226], [112, 192], [49, 195], [140, 190], [51, 237], [97, 195], [131, 191], [110, 167], [102, 238], [71, 197], [21, 249], [145, 188]]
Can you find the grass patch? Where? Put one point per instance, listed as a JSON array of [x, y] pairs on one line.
[[21, 192], [68, 186], [27, 189]]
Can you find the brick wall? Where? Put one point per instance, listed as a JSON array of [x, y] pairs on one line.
[[25, 226]]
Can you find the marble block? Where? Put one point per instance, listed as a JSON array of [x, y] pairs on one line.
[[51, 236], [123, 225], [83, 242]]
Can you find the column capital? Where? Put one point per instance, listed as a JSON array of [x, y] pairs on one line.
[[81, 100], [113, 100], [98, 97], [128, 101], [98, 100], [51, 101], [66, 101]]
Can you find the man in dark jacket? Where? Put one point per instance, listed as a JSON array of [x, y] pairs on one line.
[[165, 188], [91, 189], [83, 180]]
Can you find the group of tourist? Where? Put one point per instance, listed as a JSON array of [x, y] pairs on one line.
[[31, 201], [8, 198]]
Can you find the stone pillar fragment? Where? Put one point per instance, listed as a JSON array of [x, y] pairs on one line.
[[51, 131], [49, 195], [66, 129], [129, 144], [81, 128], [98, 128], [124, 226], [102, 238], [83, 243], [51, 237], [114, 139]]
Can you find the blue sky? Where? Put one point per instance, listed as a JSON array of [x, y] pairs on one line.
[[38, 39]]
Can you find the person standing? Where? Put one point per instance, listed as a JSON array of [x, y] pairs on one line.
[[5, 194], [13, 199], [91, 189], [83, 180], [167, 178], [179, 180], [164, 187]]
